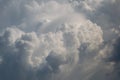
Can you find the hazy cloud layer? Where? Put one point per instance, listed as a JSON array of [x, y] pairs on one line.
[[59, 39]]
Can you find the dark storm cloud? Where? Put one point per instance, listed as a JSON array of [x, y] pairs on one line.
[[113, 56]]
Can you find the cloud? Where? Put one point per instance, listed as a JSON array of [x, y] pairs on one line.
[[59, 39], [34, 56]]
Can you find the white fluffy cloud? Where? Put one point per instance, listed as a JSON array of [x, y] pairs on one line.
[[49, 50]]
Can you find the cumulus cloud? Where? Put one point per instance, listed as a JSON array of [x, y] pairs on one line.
[[59, 39], [46, 53]]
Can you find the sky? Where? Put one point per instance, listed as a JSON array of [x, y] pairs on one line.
[[59, 39]]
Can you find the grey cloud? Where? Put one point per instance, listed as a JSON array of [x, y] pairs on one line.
[[30, 56], [59, 40]]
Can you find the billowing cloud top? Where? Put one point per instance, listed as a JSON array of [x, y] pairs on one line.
[[59, 39]]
